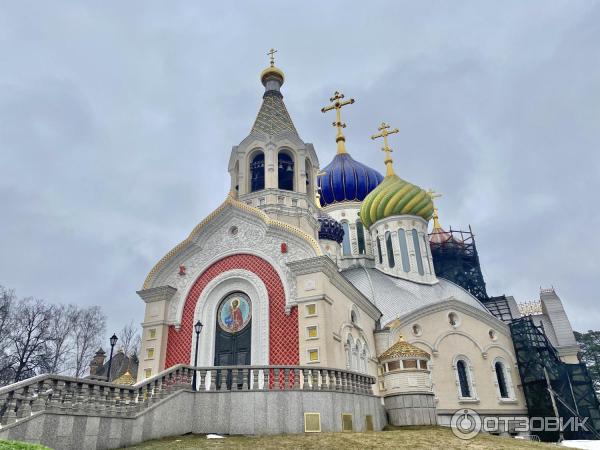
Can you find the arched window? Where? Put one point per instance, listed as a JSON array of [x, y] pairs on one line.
[[404, 250], [309, 178], [348, 348], [285, 165], [501, 378], [257, 172], [346, 250], [389, 249], [360, 236], [379, 251], [418, 256], [463, 379]]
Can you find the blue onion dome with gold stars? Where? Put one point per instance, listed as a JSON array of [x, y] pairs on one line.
[[330, 228], [344, 179]]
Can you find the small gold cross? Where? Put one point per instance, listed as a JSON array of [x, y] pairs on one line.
[[384, 133], [338, 104], [271, 54]]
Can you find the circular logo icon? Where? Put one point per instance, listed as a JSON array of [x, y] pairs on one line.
[[465, 423]]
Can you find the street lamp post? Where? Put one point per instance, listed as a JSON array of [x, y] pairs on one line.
[[198, 329], [113, 341]]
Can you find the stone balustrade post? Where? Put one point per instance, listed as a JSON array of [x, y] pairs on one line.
[[234, 379], [296, 374], [255, 384], [245, 376], [305, 380], [202, 384], [10, 415]]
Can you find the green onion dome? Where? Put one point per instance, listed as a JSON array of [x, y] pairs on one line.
[[393, 197]]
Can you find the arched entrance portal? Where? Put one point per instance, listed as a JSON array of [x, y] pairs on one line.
[[233, 337]]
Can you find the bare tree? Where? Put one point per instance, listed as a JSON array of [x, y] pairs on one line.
[[7, 298], [61, 345], [89, 327], [129, 337], [28, 338]]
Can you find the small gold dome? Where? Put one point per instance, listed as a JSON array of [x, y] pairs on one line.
[[402, 349], [271, 71]]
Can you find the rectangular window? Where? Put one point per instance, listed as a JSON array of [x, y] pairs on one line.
[[346, 240], [410, 363], [147, 373], [417, 247], [313, 355], [422, 364], [152, 333], [369, 423], [311, 310], [150, 353], [393, 365], [311, 332], [404, 250]]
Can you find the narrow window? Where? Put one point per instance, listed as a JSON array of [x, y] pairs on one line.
[[152, 333], [389, 249], [311, 310], [404, 250], [286, 172], [147, 373], [379, 251], [415, 236], [257, 172], [150, 353], [346, 242], [360, 236], [463, 379], [500, 376], [313, 355], [429, 268], [311, 332]]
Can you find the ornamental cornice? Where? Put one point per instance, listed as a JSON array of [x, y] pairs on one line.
[[157, 294], [230, 202], [452, 304], [325, 265]]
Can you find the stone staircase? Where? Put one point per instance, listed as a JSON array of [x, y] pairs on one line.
[[75, 413]]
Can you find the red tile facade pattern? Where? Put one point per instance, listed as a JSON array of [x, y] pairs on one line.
[[283, 329]]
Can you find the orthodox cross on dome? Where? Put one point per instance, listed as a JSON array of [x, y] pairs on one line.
[[271, 54], [338, 104], [385, 131], [433, 195]]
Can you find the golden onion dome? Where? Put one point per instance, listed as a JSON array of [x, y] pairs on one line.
[[403, 349], [272, 71]]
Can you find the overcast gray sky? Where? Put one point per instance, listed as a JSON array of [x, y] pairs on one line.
[[117, 120]]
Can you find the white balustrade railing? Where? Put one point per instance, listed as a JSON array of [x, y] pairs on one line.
[[85, 396]]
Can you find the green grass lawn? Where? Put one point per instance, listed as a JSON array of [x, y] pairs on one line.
[[14, 445], [404, 438]]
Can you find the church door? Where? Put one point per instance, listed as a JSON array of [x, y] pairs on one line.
[[233, 336]]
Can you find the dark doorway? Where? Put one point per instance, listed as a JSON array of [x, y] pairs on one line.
[[233, 337]]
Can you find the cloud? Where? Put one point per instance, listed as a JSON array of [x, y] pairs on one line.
[[117, 120]]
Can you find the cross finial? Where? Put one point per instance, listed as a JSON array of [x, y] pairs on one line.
[[338, 104], [433, 195], [271, 54], [384, 132]]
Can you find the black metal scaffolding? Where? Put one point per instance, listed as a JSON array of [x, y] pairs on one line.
[[570, 384], [455, 258]]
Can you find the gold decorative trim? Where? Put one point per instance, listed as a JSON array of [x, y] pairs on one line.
[[230, 201]]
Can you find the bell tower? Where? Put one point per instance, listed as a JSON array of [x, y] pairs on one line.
[[273, 169]]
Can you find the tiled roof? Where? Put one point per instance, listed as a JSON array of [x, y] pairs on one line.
[[396, 297], [273, 117], [403, 349]]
